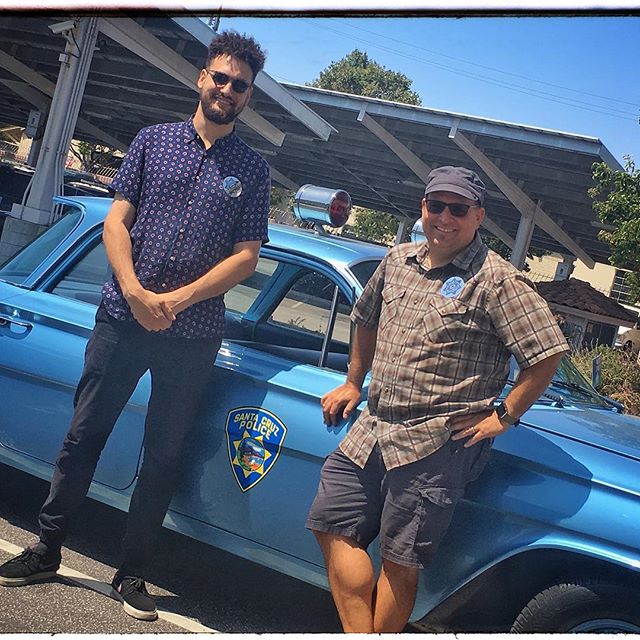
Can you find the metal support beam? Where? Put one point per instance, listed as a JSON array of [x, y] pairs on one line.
[[519, 198], [523, 240], [131, 35], [298, 109], [46, 87], [420, 168], [402, 232], [47, 179], [280, 178]]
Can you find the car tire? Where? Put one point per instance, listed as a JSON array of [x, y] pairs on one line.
[[582, 605]]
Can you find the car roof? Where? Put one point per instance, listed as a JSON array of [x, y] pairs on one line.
[[332, 248]]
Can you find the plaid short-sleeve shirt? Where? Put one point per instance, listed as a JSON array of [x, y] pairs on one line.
[[443, 344], [192, 205]]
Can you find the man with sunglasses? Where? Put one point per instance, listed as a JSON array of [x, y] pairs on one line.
[[186, 224], [436, 324]]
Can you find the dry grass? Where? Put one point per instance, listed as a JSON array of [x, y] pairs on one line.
[[620, 375]]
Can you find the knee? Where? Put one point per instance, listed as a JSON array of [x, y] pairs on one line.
[[400, 574]]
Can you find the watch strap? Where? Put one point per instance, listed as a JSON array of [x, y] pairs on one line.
[[505, 417]]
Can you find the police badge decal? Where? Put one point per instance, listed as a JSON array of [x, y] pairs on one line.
[[254, 441]]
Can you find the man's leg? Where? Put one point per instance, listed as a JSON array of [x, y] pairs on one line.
[[111, 371], [395, 596], [180, 371], [351, 578], [345, 518]]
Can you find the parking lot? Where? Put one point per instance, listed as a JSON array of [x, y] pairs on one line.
[[198, 589]]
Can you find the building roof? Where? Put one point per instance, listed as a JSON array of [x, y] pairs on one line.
[[581, 295]]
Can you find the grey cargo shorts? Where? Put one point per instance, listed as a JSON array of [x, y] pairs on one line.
[[410, 506]]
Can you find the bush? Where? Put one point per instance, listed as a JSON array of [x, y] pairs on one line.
[[620, 375]]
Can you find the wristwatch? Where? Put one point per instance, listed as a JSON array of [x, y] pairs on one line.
[[505, 417]]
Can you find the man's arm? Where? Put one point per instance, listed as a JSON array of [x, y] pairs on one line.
[[348, 394], [145, 305], [530, 384], [218, 280]]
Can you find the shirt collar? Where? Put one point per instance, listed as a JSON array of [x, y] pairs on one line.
[[464, 259], [191, 135], [420, 251]]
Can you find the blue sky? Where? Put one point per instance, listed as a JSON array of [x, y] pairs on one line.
[[576, 74]]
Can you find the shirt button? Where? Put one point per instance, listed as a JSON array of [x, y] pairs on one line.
[[172, 258], [181, 230], [415, 302], [190, 202], [164, 285]]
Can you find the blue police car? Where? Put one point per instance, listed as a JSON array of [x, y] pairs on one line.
[[547, 539]]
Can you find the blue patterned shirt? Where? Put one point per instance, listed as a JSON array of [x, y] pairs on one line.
[[192, 205]]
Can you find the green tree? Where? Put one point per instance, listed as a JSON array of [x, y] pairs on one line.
[[616, 200], [356, 73], [374, 225], [92, 155]]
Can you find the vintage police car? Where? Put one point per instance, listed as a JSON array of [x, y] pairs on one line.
[[548, 539]]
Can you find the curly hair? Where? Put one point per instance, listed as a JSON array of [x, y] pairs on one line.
[[243, 47]]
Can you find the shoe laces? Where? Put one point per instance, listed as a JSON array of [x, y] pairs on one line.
[[31, 558], [134, 584]]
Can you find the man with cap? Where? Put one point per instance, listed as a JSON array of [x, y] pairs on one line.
[[436, 325]]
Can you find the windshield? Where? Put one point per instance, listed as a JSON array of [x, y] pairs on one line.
[[568, 384], [18, 268], [364, 270]]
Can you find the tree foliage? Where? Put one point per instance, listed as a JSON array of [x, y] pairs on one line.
[[616, 200], [92, 155], [356, 73], [374, 225]]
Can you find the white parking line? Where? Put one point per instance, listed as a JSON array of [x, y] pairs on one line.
[[183, 622]]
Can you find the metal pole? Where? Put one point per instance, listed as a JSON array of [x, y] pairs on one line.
[[63, 115]]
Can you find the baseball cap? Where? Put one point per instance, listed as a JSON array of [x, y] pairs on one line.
[[458, 180]]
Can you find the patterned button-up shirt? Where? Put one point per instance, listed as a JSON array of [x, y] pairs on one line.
[[443, 344], [187, 216]]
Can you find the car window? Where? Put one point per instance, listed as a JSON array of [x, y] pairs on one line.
[[307, 307], [85, 279], [364, 270], [240, 298], [20, 266]]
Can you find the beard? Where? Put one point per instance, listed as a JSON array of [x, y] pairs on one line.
[[213, 112]]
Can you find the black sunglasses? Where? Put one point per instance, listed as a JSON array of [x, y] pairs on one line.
[[221, 79], [457, 209]]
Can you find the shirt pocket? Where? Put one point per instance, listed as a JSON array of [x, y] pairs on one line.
[[446, 320], [392, 305]]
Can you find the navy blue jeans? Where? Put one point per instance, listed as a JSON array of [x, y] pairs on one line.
[[118, 354]]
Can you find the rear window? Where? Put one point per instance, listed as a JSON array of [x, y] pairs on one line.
[[364, 270]]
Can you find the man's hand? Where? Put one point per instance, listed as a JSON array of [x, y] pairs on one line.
[[150, 310], [480, 425], [345, 396]]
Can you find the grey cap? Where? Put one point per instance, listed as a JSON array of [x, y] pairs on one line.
[[458, 180]]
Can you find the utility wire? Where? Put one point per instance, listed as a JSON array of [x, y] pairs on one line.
[[572, 102], [482, 66]]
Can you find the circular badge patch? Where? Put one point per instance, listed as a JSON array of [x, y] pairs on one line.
[[232, 186], [452, 287]]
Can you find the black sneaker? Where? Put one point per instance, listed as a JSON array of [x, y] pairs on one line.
[[34, 563], [135, 598]]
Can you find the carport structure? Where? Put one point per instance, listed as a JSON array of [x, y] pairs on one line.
[[537, 179], [144, 72]]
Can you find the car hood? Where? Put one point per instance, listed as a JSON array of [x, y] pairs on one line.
[[602, 428]]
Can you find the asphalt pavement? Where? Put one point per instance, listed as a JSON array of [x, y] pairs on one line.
[[197, 588]]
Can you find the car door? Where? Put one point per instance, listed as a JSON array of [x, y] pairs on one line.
[[253, 464], [42, 359]]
